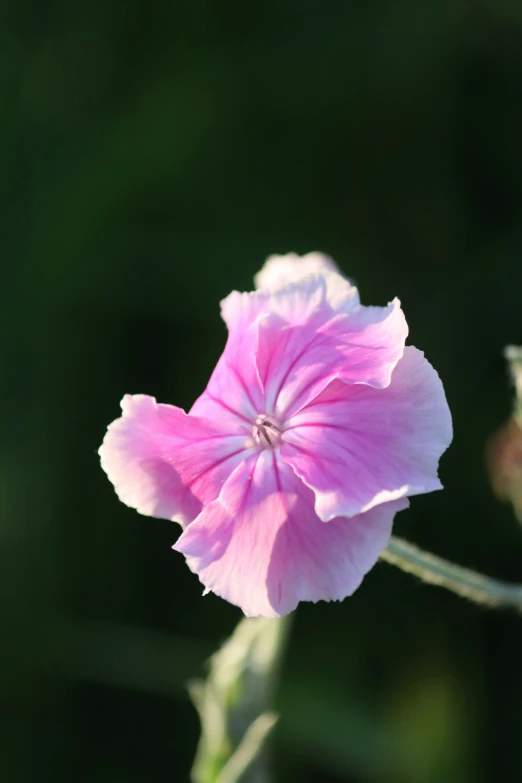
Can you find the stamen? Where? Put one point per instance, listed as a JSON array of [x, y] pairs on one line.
[[266, 430]]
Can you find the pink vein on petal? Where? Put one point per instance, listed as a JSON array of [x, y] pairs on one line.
[[289, 369], [243, 385], [279, 484], [227, 407], [292, 404], [215, 464]]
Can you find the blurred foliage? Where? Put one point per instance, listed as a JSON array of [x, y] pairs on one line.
[[153, 154]]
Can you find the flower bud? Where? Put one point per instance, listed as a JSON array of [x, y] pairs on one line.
[[504, 456]]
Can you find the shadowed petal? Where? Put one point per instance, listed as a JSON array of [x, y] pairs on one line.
[[357, 446], [166, 463], [261, 546]]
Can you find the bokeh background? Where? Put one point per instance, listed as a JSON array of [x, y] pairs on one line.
[[152, 155]]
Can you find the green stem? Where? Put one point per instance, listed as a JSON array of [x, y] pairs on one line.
[[235, 703], [463, 581]]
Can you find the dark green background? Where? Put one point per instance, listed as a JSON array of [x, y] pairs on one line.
[[152, 155]]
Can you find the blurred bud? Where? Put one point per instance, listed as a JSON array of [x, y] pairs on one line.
[[513, 355], [504, 455], [504, 449]]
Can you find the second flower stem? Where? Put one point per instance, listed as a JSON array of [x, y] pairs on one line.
[[463, 581]]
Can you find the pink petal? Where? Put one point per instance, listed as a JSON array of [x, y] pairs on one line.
[[234, 393], [296, 302], [278, 271], [296, 362], [166, 463], [261, 546], [357, 446]]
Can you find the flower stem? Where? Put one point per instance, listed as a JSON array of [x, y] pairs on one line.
[[235, 703], [463, 581]]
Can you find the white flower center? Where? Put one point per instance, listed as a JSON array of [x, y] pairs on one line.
[[267, 431]]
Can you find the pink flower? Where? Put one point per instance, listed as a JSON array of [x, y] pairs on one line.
[[315, 427]]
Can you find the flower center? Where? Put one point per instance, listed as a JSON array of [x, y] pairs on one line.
[[267, 432]]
